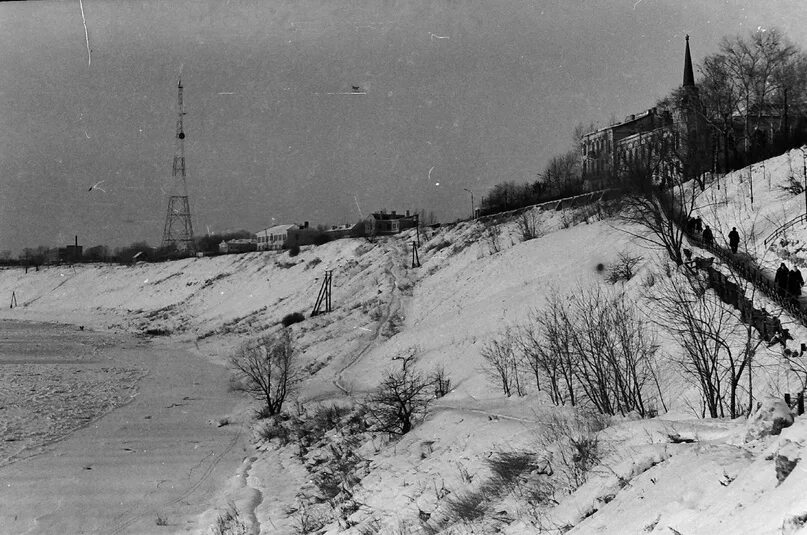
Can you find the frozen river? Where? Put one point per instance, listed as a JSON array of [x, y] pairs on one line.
[[72, 464]]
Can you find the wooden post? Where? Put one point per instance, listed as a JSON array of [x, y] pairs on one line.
[[800, 403], [324, 295], [787, 399], [415, 258]]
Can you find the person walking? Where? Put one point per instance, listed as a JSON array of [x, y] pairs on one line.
[[734, 240], [708, 237], [795, 282], [781, 279]]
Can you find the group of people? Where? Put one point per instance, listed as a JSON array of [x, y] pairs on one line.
[[788, 281], [695, 224]]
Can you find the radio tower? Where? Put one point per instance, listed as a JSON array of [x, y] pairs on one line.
[[178, 228]]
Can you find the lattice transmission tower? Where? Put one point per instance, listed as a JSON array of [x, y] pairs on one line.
[[178, 230]]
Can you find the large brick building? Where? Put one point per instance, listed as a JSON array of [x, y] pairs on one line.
[[669, 139]]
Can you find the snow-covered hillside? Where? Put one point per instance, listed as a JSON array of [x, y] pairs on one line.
[[673, 473]]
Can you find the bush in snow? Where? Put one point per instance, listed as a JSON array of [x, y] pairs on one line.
[[624, 268], [574, 445], [291, 319], [401, 399]]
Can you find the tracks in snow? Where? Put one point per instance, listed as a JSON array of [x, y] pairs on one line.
[[393, 306]]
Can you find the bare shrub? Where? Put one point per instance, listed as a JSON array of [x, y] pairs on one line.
[[624, 268], [574, 444], [229, 523], [528, 225], [501, 363], [401, 400], [492, 236], [466, 507], [509, 466], [307, 521], [274, 429], [267, 368], [794, 185]]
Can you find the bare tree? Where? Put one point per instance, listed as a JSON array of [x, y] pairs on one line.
[[501, 363], [545, 342], [401, 399], [267, 368], [616, 352], [758, 65], [658, 198], [592, 347], [709, 334]]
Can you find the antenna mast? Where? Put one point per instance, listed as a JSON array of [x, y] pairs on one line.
[[178, 230]]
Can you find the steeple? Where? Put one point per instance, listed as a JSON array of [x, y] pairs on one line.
[[689, 78]]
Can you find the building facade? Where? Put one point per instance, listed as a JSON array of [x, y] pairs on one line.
[[273, 238], [671, 139], [381, 223]]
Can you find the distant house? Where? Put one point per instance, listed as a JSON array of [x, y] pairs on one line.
[[345, 231], [382, 224], [274, 238], [303, 235], [238, 246]]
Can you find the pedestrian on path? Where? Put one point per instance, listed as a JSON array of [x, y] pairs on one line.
[[781, 279], [734, 239], [795, 282], [708, 237]]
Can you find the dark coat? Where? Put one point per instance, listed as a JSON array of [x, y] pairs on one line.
[[708, 237], [795, 281], [734, 238], [782, 276]]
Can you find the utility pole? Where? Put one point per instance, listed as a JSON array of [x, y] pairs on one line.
[[178, 231], [415, 257], [472, 202]]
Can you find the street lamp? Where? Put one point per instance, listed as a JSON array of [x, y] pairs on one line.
[[472, 202]]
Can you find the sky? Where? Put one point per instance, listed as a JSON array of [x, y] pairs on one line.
[[460, 95]]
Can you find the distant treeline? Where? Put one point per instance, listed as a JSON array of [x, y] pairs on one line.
[[209, 245]]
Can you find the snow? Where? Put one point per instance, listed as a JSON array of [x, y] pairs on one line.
[[672, 472]]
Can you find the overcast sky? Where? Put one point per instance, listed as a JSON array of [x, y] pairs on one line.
[[464, 94]]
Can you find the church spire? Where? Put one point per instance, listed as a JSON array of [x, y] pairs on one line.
[[689, 78]]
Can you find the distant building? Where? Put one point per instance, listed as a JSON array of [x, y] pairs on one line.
[[244, 245], [71, 253], [382, 224], [274, 238], [345, 231]]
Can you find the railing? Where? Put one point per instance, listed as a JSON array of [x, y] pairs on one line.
[[556, 204], [776, 233], [747, 268]]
